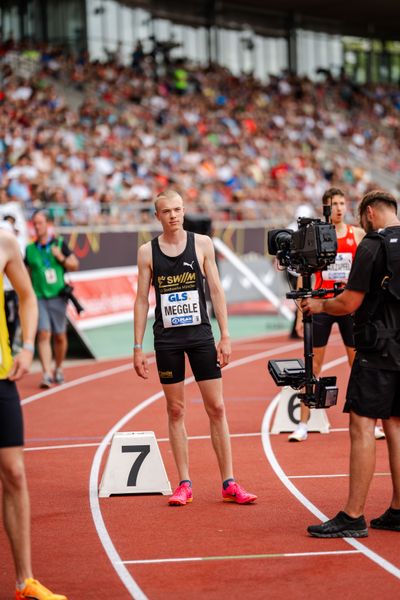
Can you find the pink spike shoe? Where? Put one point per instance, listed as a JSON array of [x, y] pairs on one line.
[[182, 495], [235, 493]]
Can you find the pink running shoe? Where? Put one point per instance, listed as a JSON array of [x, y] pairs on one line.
[[182, 495], [235, 493]]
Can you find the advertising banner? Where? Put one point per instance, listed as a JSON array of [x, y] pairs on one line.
[[107, 296]]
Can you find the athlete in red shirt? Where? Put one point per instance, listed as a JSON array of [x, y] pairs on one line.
[[348, 238]]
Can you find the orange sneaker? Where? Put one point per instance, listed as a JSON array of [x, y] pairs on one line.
[[34, 590], [182, 495], [235, 493]]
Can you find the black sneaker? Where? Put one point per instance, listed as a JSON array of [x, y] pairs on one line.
[[387, 521], [340, 526]]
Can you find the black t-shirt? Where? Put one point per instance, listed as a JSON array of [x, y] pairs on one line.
[[367, 273]]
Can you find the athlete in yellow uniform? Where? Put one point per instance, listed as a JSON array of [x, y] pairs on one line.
[[5, 350], [16, 514]]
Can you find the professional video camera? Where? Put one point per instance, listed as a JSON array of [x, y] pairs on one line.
[[309, 249]]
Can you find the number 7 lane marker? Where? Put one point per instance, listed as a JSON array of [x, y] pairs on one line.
[[265, 437]]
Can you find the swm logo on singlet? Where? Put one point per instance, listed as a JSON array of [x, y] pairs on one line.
[[165, 281]]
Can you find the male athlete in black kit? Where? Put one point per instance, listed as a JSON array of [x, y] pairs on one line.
[[177, 263]]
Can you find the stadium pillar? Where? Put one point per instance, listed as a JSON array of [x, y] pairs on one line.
[[209, 12], [291, 41]]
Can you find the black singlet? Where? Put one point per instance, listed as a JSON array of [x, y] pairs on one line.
[[181, 318]]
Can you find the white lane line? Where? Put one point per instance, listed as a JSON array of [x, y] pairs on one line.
[[157, 561], [128, 366], [76, 382], [98, 520], [61, 447], [329, 475], [101, 528], [195, 438], [159, 440], [265, 428]]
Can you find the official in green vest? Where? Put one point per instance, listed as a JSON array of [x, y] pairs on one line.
[[48, 258]]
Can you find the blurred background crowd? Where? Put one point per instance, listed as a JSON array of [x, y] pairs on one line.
[[95, 142]]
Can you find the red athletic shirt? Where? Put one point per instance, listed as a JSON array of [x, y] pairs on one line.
[[339, 271]]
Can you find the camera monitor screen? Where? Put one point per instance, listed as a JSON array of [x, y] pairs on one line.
[[290, 364], [286, 371]]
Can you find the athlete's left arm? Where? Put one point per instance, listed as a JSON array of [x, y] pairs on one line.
[[217, 297], [344, 304], [28, 309]]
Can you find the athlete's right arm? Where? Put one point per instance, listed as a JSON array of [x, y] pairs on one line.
[[141, 309], [28, 308]]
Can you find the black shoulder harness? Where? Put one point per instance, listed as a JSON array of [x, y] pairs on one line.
[[390, 242]]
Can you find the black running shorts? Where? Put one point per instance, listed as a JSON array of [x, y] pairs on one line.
[[322, 326], [202, 359], [373, 393], [11, 424]]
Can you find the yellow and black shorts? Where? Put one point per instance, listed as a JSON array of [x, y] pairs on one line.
[[202, 358]]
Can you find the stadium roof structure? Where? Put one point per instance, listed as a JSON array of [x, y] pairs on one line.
[[377, 19]]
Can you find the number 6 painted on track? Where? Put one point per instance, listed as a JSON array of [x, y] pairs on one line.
[[143, 452], [293, 403]]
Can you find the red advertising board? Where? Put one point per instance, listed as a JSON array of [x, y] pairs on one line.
[[107, 296]]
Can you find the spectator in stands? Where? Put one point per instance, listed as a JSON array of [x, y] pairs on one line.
[[48, 258], [256, 142]]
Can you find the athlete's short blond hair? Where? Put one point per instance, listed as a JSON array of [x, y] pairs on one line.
[[168, 195]]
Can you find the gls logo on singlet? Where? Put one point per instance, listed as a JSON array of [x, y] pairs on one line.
[[178, 297]]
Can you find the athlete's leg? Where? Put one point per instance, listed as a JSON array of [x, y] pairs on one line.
[[44, 349], [392, 430], [362, 462], [211, 391], [351, 353], [174, 394], [44, 336], [16, 511], [60, 348]]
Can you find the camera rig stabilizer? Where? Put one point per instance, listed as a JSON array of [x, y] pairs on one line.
[[309, 249]]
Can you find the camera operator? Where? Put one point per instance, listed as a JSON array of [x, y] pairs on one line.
[[348, 238], [48, 258], [373, 293]]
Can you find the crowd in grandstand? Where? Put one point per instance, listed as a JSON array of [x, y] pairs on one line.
[[233, 147]]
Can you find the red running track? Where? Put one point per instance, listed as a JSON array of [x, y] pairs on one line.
[[208, 549]]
